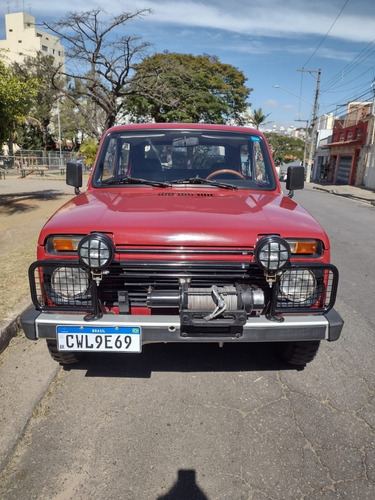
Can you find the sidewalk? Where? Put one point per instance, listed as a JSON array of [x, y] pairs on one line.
[[25, 205], [352, 192]]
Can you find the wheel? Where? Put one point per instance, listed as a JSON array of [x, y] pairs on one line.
[[225, 171], [299, 353], [64, 358]]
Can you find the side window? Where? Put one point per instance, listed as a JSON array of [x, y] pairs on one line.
[[260, 168], [109, 163], [123, 164], [116, 159], [253, 164], [246, 162]]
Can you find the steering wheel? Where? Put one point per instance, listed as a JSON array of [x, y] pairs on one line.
[[225, 171]]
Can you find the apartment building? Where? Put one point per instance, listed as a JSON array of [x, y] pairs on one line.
[[24, 39]]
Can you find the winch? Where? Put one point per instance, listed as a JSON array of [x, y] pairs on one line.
[[208, 304]]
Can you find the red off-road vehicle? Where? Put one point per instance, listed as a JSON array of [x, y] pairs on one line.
[[183, 234]]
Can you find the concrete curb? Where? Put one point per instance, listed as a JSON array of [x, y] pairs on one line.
[[350, 195], [10, 329], [26, 374]]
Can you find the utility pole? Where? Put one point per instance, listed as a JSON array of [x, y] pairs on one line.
[[313, 121], [305, 141]]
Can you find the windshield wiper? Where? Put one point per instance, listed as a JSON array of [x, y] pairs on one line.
[[135, 180], [202, 180]]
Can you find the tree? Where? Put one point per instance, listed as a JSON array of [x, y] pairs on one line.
[[258, 118], [35, 131], [16, 97], [69, 121], [285, 149], [171, 87], [89, 148], [99, 63]]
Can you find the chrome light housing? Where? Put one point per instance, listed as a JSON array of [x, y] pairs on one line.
[[298, 285], [96, 251], [272, 253], [69, 283]]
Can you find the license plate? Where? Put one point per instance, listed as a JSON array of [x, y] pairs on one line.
[[99, 338]]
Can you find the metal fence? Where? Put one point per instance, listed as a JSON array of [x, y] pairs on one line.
[[27, 160], [25, 163]]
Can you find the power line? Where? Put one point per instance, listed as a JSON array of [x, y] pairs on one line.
[[358, 59], [352, 89], [367, 96], [325, 36]]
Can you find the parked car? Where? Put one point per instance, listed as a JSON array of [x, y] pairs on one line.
[[182, 234]]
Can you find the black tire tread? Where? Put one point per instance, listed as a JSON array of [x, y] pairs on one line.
[[64, 358], [299, 353]]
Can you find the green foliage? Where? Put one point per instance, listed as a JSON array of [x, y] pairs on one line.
[[258, 117], [72, 123], [285, 149], [171, 87], [16, 97], [88, 149], [41, 69], [30, 136]]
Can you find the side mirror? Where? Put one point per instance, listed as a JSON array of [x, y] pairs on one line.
[[74, 175], [295, 179]]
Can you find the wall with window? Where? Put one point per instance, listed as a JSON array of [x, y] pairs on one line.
[[23, 40]]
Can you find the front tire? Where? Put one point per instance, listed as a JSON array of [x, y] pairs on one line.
[[299, 353], [64, 358]]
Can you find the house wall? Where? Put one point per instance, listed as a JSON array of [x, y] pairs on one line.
[[348, 149], [24, 39]]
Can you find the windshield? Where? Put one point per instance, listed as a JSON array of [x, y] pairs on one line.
[[168, 158]]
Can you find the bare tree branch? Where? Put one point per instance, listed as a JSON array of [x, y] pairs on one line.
[[99, 59]]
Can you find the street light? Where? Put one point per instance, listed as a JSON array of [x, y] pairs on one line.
[[59, 128]]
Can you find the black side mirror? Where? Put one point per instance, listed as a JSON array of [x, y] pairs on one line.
[[295, 179], [74, 175]]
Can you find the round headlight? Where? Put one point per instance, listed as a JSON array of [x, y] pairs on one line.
[[272, 253], [69, 282], [96, 251], [297, 285]]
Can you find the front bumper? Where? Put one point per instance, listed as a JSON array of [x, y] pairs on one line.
[[168, 328]]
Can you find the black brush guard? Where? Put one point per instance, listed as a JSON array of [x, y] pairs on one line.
[[145, 283]]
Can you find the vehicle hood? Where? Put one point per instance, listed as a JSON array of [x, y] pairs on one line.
[[183, 217]]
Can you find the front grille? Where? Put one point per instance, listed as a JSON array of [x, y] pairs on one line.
[[137, 277]]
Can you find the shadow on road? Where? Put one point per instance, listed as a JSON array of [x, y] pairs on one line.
[[22, 202], [185, 488], [184, 358]]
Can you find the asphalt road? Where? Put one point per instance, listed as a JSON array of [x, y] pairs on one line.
[[199, 422]]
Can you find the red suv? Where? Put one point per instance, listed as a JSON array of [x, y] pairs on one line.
[[183, 234]]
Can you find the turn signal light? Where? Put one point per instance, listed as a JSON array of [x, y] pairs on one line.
[[62, 244], [304, 247]]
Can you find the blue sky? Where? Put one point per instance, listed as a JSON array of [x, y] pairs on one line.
[[268, 41]]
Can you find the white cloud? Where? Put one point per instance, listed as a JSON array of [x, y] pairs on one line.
[[271, 103], [269, 18]]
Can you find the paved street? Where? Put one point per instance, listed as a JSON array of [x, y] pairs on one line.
[[200, 422]]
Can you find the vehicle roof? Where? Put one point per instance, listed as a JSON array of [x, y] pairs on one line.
[[201, 126]]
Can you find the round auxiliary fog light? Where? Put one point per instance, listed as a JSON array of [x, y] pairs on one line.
[[272, 253], [96, 251], [298, 285]]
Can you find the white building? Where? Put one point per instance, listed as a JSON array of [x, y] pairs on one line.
[[24, 39]]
